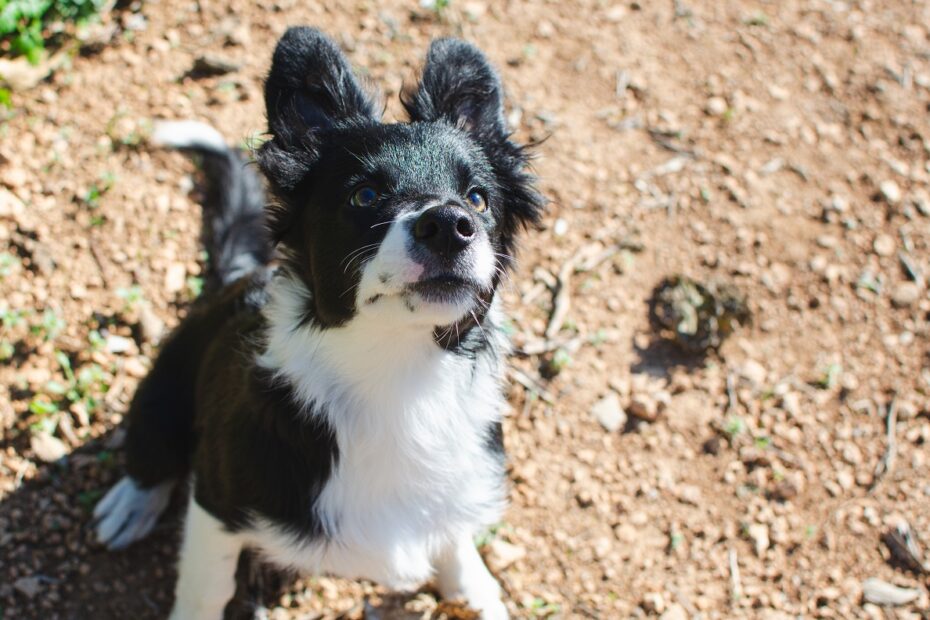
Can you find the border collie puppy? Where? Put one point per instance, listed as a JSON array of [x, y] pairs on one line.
[[340, 413]]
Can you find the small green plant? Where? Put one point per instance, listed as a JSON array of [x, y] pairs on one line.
[[829, 377], [24, 24], [485, 537], [757, 19], [734, 427], [8, 263], [439, 6], [195, 286], [97, 190], [97, 342], [42, 407], [11, 318], [598, 338], [88, 499], [50, 326], [132, 297], [80, 387], [541, 608]]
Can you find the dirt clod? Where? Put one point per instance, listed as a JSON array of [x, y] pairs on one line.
[[697, 316]]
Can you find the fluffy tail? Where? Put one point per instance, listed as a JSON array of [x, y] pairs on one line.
[[235, 234]]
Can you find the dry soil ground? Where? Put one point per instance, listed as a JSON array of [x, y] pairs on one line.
[[782, 146]]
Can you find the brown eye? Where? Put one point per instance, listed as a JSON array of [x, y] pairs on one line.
[[477, 200], [364, 197]]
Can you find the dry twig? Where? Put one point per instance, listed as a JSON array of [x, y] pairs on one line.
[[885, 465]]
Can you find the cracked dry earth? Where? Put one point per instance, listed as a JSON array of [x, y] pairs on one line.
[[781, 147]]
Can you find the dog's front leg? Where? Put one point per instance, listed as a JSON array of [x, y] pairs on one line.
[[207, 570], [461, 574]]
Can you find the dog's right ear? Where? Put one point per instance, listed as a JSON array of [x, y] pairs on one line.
[[310, 88]]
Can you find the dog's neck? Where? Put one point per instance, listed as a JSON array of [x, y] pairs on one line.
[[363, 358]]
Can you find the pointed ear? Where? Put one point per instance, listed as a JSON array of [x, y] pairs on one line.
[[460, 86], [310, 88], [312, 85]]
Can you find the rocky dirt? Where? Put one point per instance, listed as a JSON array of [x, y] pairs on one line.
[[781, 147]]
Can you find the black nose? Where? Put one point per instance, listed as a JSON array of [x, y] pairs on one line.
[[446, 229]]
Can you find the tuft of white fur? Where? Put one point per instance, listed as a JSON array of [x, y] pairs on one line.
[[187, 135], [411, 420], [128, 512]]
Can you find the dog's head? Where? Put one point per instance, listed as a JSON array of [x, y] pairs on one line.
[[410, 222]]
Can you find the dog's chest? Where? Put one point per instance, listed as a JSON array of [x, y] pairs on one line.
[[414, 470]]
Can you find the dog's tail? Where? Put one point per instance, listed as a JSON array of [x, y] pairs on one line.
[[234, 231]]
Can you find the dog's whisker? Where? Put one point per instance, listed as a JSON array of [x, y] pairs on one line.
[[384, 223], [359, 250]]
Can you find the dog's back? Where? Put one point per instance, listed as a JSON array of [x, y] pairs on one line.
[[160, 433]]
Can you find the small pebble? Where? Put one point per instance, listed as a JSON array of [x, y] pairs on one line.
[[905, 294], [883, 593], [609, 413], [501, 554], [716, 106], [47, 447], [890, 192], [884, 245]]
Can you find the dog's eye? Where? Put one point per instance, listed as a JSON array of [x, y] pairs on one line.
[[364, 197], [477, 200]]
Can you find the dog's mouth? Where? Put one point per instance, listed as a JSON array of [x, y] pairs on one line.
[[445, 288]]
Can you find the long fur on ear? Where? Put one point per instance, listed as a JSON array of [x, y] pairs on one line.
[[311, 88], [460, 86]]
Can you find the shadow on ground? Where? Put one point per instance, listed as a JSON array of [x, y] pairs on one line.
[[58, 571]]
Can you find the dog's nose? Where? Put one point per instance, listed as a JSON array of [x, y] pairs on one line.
[[446, 229]]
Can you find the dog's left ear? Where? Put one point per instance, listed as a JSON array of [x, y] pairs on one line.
[[311, 89], [460, 86]]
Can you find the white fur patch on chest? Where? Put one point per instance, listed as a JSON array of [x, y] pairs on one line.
[[412, 424]]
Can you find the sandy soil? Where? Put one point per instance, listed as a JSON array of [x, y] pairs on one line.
[[783, 147]]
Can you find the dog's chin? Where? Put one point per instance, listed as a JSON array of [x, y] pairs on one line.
[[428, 302], [442, 300], [444, 290]]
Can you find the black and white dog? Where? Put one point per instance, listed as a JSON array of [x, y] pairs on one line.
[[341, 413]]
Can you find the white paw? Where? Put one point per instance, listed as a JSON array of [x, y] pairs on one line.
[[492, 609], [129, 512]]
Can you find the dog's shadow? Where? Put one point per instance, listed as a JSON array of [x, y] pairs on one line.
[[51, 566]]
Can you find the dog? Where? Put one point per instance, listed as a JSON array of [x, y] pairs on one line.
[[335, 395]]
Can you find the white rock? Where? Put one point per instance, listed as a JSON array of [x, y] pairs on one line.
[[654, 602], [753, 372], [48, 448], [29, 586], [759, 535], [609, 413], [884, 245], [905, 294], [716, 106], [119, 344], [674, 612], [890, 192], [883, 593], [10, 204], [175, 277], [502, 554]]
